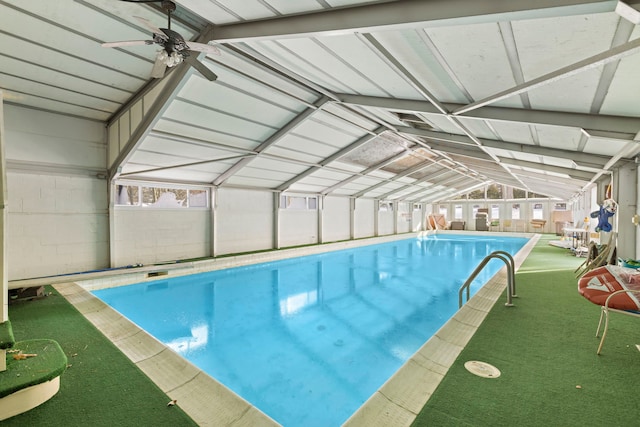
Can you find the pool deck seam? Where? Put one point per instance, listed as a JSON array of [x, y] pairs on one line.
[[410, 387]]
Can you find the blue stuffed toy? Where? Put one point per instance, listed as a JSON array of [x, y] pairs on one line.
[[607, 209]]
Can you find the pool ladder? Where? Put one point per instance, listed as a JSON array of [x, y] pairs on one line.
[[511, 278]]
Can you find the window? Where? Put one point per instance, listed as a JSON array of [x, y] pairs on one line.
[[127, 195], [474, 211], [161, 197], [477, 194], [536, 196], [442, 210], [515, 211], [538, 212], [499, 192], [494, 191], [385, 207], [495, 211], [299, 202], [560, 207], [417, 206], [519, 194], [198, 198], [457, 212]]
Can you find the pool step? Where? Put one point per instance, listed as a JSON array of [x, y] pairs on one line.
[[32, 375], [6, 341]]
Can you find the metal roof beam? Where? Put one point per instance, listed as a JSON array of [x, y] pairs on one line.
[[174, 83], [384, 182], [364, 172], [428, 178], [346, 150], [599, 60], [573, 173], [548, 178], [404, 14], [617, 127], [279, 134], [586, 159]]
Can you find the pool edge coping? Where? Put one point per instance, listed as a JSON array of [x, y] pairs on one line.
[[396, 403], [401, 398]]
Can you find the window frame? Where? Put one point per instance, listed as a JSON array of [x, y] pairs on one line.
[[288, 202], [163, 186]]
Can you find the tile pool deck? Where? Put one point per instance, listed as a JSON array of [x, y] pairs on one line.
[[209, 403]]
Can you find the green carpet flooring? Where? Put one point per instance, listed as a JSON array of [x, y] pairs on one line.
[[101, 386], [545, 348]]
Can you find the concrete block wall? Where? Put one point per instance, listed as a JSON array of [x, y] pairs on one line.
[[244, 221], [298, 227], [364, 222], [418, 217], [404, 217], [386, 220], [336, 217], [57, 225], [57, 209], [152, 235]]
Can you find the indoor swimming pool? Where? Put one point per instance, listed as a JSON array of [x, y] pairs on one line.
[[307, 340]]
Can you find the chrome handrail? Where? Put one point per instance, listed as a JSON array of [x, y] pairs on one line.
[[511, 278]]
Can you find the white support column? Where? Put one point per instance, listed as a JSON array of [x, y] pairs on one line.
[[276, 220], [625, 195], [396, 216], [111, 189], [213, 233], [4, 285], [320, 230], [352, 218], [376, 218], [636, 234]]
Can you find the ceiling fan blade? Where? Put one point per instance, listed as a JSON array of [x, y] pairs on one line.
[[127, 43], [159, 68], [201, 47], [202, 69], [149, 25]]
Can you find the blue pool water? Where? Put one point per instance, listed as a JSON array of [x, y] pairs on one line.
[[308, 340]]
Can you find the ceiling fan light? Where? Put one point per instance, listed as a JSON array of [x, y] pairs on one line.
[[176, 58], [162, 56]]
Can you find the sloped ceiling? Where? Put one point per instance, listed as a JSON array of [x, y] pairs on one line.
[[399, 100]]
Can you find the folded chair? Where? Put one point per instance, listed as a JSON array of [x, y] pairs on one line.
[[599, 256], [616, 289], [437, 222]]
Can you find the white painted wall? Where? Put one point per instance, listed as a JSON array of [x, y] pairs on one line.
[[57, 221], [625, 196], [418, 217], [404, 217], [53, 142], [364, 218], [386, 220], [637, 212], [244, 221], [298, 227], [336, 219], [152, 235]]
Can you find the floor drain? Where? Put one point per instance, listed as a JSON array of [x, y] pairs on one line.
[[482, 369]]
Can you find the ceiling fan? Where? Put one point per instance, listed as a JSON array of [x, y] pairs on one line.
[[175, 49]]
